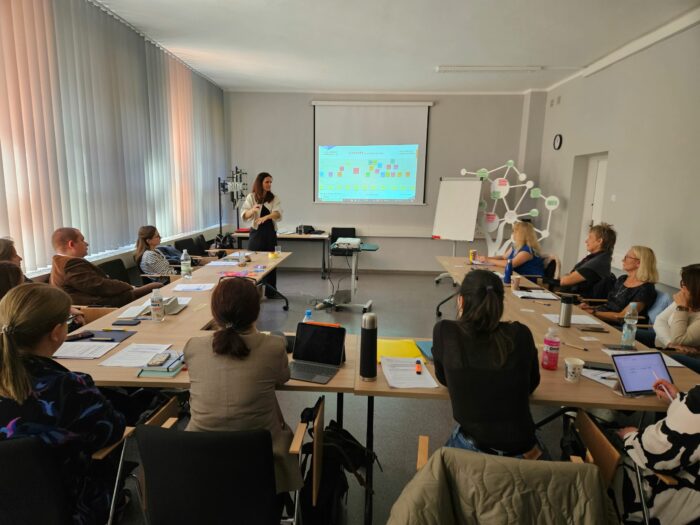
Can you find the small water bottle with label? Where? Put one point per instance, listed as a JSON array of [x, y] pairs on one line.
[[186, 265], [307, 316], [629, 329], [550, 355], [157, 306]]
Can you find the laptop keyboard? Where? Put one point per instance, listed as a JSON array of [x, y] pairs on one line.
[[312, 369]]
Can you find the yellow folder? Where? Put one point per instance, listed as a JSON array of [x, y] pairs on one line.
[[397, 348]]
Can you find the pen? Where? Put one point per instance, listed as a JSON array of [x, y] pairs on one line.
[[419, 366], [576, 347], [662, 386], [541, 302], [609, 377]]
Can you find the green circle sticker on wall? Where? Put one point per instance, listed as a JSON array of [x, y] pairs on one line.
[[534, 212], [535, 193], [483, 173], [510, 163]]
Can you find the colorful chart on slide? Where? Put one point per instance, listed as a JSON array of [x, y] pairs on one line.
[[362, 174]]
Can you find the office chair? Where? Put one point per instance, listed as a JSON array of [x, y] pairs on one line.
[[645, 332], [336, 233], [208, 477], [116, 270], [32, 491], [202, 244], [191, 246]]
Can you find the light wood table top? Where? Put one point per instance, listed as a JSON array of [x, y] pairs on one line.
[[553, 389], [300, 236], [193, 321]]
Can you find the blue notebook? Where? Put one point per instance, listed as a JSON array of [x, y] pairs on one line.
[[426, 348]]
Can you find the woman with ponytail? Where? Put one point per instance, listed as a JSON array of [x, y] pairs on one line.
[[41, 398], [490, 368], [234, 372]]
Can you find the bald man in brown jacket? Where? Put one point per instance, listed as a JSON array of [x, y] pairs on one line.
[[86, 283]]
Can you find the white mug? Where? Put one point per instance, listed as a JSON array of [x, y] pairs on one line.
[[573, 366]]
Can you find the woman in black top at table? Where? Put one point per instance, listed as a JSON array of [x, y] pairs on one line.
[[490, 369], [636, 285], [262, 208]]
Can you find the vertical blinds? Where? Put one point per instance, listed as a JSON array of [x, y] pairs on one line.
[[100, 130]]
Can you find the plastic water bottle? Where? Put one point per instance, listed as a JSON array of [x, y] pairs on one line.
[[629, 329], [157, 306], [307, 316], [508, 272], [186, 265], [550, 355]]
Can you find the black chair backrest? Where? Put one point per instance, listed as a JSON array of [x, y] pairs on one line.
[[201, 243], [32, 488], [190, 245], [341, 232], [602, 288], [116, 270], [551, 269], [208, 477]]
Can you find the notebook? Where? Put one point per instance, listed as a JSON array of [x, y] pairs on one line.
[[319, 352]]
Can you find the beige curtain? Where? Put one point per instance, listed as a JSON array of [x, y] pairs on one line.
[[101, 130]]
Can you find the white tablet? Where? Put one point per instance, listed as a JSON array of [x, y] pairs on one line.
[[639, 371]]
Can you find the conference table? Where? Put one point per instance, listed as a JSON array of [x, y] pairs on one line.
[[553, 389], [322, 238], [196, 320]]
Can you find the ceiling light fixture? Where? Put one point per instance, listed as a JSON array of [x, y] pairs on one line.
[[481, 69]]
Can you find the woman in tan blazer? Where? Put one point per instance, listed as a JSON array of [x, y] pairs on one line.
[[233, 375]]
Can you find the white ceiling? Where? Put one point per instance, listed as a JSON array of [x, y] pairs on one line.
[[391, 45]]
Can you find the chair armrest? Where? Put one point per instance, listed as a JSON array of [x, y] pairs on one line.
[[575, 459], [170, 422], [645, 326], [295, 447], [586, 300], [423, 442], [106, 451]]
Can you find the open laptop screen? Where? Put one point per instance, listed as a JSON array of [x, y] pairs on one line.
[[638, 371], [319, 344]]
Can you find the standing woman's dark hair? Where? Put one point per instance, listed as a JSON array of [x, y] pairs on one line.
[[146, 233], [27, 313], [235, 305], [481, 295], [690, 277], [260, 195], [10, 276]]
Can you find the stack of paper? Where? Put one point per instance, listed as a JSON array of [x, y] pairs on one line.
[[83, 350], [535, 294], [223, 262], [603, 377], [135, 355], [400, 372], [575, 319], [194, 287]]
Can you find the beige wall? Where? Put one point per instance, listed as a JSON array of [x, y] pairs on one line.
[[274, 132], [645, 112]]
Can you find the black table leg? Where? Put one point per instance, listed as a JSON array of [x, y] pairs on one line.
[[339, 409], [324, 272], [370, 455], [278, 295], [437, 309], [553, 416]]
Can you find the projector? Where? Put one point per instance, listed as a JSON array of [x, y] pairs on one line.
[[347, 243]]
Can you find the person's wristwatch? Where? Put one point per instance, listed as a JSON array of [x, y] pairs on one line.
[[681, 308]]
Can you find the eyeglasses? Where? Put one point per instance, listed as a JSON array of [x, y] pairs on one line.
[[70, 319], [630, 257]]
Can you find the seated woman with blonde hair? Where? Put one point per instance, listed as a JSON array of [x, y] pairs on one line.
[[40, 398], [524, 255], [636, 285]]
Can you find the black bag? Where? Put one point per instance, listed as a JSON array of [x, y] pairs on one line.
[[341, 452], [224, 242]]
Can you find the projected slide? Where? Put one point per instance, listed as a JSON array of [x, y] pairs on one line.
[[367, 174]]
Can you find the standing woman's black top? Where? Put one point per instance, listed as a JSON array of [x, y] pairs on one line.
[[490, 401]]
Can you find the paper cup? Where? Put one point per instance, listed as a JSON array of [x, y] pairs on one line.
[[573, 366], [515, 282]]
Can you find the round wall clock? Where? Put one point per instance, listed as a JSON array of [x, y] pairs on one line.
[[558, 141]]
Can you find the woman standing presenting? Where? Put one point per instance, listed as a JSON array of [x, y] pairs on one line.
[[262, 208]]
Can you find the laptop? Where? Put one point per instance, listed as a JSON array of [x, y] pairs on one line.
[[638, 372], [319, 352]]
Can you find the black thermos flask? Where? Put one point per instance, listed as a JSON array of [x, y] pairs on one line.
[[368, 347]]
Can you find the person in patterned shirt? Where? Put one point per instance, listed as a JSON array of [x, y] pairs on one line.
[[670, 446], [149, 260], [41, 398]]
